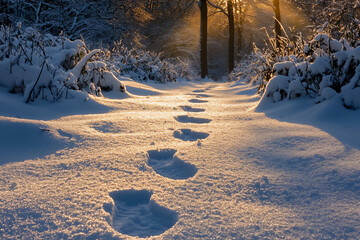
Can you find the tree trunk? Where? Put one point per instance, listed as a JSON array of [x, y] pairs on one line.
[[277, 22], [203, 38], [231, 56], [239, 27]]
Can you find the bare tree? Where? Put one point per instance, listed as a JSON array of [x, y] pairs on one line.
[[339, 18], [229, 12], [276, 7], [203, 37], [231, 54]]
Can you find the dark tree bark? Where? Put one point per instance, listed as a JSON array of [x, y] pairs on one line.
[[231, 55], [238, 8], [203, 38], [277, 22]]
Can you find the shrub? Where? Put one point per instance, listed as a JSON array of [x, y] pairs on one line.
[[142, 65], [322, 68], [50, 67]]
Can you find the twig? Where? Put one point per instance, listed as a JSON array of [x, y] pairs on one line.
[[26, 54], [37, 80], [217, 7]]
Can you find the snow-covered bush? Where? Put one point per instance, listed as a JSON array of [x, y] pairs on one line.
[[143, 65], [286, 49], [323, 68], [91, 19], [258, 68], [245, 70], [49, 67], [340, 19]]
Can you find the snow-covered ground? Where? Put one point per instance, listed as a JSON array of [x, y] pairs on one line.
[[179, 161]]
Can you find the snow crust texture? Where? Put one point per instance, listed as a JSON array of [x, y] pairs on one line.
[[195, 100], [166, 164], [18, 137], [291, 172], [189, 135], [191, 109], [134, 214]]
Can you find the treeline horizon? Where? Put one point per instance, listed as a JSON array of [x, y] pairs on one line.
[[173, 26]]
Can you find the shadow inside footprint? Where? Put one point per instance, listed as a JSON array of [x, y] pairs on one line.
[[194, 100], [134, 214], [203, 95], [106, 127], [191, 109], [199, 91], [189, 135], [166, 164], [187, 119]]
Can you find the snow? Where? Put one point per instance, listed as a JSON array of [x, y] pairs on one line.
[[298, 70], [78, 103], [165, 163], [328, 43], [329, 67], [17, 141], [187, 134], [52, 70], [276, 87], [295, 89], [282, 68], [322, 37], [328, 93], [76, 71], [352, 97], [150, 166], [134, 213], [321, 65]]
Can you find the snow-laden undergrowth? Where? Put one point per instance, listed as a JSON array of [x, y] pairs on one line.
[[42, 66], [324, 68], [142, 65]]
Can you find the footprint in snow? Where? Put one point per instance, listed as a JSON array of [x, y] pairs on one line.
[[133, 213], [189, 135], [210, 87], [166, 164], [106, 127], [199, 91], [203, 95], [187, 119], [191, 109], [194, 100]]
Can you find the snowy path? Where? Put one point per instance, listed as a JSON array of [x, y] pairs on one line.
[[186, 163]]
